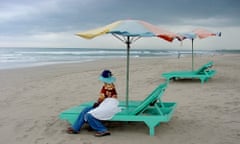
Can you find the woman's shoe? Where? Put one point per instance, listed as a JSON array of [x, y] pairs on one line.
[[71, 131], [100, 134]]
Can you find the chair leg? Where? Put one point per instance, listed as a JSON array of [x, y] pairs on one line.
[[151, 125], [202, 80], [151, 131]]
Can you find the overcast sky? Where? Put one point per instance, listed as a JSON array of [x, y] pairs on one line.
[[53, 23]]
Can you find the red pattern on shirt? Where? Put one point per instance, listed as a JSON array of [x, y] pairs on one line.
[[107, 91]]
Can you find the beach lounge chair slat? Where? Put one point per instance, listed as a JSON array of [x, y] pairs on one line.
[[152, 111]]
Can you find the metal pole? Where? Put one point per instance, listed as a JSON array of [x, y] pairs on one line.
[[192, 57], [127, 75]]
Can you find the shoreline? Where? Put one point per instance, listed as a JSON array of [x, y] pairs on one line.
[[40, 64], [32, 98], [30, 57]]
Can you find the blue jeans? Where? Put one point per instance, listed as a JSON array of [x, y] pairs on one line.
[[93, 122]]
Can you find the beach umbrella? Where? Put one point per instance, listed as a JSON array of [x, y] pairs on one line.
[[128, 31], [197, 33]]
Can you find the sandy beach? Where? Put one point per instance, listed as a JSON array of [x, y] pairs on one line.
[[32, 98]]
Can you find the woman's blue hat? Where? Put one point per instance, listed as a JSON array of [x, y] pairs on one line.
[[107, 77]]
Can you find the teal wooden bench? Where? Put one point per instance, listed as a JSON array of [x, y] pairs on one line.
[[204, 73], [152, 111]]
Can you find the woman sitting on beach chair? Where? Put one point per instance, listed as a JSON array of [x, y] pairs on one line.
[[104, 109]]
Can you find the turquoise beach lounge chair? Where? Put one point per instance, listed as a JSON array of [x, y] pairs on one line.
[[204, 73], [152, 111]]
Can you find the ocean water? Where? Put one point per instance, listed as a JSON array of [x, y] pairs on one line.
[[27, 57]]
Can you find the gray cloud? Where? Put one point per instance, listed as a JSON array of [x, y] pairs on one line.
[[27, 16]]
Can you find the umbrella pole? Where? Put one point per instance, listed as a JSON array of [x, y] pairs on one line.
[[127, 75], [192, 57]]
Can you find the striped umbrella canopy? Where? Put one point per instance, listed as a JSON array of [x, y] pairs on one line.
[[197, 33], [128, 31]]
